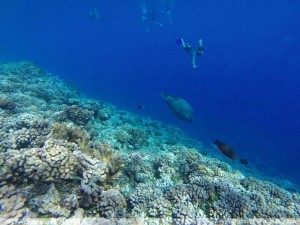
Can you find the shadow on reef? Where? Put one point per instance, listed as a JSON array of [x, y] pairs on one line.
[[66, 156]]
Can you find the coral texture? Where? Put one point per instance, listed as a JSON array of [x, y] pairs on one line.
[[55, 160], [86, 162], [11, 203], [49, 204], [78, 115]]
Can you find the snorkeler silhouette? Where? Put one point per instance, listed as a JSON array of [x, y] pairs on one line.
[[168, 9], [94, 13], [191, 50], [149, 16]]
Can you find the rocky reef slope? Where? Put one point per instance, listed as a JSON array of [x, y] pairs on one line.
[[83, 161]]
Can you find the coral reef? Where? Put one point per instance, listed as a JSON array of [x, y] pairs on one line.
[[113, 160], [112, 204], [22, 131], [49, 204], [56, 160], [89, 194], [86, 162], [71, 133], [11, 203], [205, 193], [78, 115], [6, 103], [71, 202]]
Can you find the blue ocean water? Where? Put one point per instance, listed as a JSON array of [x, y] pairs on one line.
[[245, 91]]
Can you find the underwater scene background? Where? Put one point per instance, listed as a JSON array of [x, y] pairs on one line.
[[110, 61]]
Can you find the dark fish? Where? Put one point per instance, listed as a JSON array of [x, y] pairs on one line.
[[226, 149], [244, 161], [140, 107], [181, 107]]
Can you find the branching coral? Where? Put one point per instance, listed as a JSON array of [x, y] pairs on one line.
[[232, 205], [78, 115], [12, 203], [150, 200], [110, 157], [205, 190], [173, 206], [55, 160]]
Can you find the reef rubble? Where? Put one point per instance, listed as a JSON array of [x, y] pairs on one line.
[[69, 159]]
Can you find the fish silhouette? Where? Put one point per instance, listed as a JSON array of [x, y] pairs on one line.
[[226, 149], [140, 107], [181, 107], [244, 161]]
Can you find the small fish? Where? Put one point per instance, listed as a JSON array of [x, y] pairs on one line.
[[244, 161], [140, 107], [226, 149]]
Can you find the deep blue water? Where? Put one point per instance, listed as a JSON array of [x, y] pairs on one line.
[[245, 91]]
